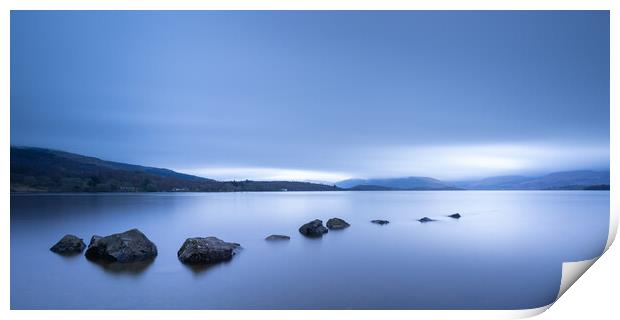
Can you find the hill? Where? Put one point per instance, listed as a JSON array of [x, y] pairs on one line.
[[566, 180], [46, 170], [408, 183]]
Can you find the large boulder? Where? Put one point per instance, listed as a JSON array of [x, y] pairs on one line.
[[69, 245], [455, 216], [275, 237], [128, 246], [313, 229], [380, 222], [206, 250], [426, 219], [337, 223]]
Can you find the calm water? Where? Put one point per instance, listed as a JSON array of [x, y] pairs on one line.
[[505, 253]]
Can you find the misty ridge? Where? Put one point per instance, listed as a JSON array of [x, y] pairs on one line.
[[46, 170], [566, 180]]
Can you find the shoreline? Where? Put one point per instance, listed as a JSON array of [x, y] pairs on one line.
[[313, 191]]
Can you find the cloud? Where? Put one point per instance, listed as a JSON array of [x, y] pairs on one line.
[[481, 160], [448, 162]]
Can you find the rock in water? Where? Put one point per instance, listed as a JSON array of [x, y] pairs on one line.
[[275, 237], [337, 223], [313, 228], [455, 216], [426, 219], [68, 245], [381, 222], [129, 246], [206, 250]]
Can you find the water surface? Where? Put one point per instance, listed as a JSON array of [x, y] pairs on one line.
[[504, 253]]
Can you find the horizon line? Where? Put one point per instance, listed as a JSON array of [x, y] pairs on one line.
[[321, 177]]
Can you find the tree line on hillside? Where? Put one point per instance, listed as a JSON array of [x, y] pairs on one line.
[[44, 170]]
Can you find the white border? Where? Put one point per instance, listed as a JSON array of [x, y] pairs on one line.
[[7, 5]]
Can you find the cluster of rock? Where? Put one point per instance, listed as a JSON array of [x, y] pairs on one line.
[[427, 219], [133, 246], [315, 228]]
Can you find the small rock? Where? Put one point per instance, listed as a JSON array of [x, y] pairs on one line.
[[206, 250], [275, 237], [426, 219], [337, 223], [381, 222], [68, 245], [125, 247], [455, 216], [313, 228]]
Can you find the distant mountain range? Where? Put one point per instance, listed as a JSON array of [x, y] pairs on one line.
[[408, 183], [583, 179], [567, 180], [46, 170]]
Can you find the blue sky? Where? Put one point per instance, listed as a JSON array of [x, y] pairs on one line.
[[316, 95]]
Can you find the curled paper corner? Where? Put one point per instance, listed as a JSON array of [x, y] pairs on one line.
[[528, 313], [613, 229], [571, 271]]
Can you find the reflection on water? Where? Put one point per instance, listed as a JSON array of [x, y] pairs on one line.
[[132, 268], [69, 255], [505, 252], [198, 268]]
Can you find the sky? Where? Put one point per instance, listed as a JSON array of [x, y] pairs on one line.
[[317, 96]]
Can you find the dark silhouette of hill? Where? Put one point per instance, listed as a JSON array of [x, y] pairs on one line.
[[46, 170]]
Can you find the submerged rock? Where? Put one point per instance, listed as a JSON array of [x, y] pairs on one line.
[[275, 237], [313, 228], [68, 245], [206, 250], [337, 223], [426, 219], [381, 222], [125, 247], [455, 216]]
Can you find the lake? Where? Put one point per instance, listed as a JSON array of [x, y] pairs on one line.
[[506, 251]]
